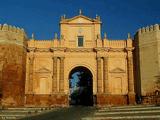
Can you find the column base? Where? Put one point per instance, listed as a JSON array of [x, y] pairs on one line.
[[131, 98]]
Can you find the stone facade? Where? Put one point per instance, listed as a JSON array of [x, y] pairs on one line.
[[36, 72], [49, 63]]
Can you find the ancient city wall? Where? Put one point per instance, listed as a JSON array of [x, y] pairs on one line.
[[12, 65], [147, 43]]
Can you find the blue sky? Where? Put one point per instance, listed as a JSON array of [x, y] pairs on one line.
[[74, 80], [42, 16]]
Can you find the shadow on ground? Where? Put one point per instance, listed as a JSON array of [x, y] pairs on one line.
[[70, 113]]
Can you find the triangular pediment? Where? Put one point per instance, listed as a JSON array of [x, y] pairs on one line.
[[43, 70], [117, 70], [80, 19]]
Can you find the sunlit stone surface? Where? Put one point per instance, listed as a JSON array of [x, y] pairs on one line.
[[37, 72]]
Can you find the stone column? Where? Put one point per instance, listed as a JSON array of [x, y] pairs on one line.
[[131, 93], [61, 80], [99, 75], [105, 75], [54, 81], [30, 82]]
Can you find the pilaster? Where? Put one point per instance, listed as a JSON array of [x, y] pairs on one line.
[[54, 80], [105, 75], [131, 92], [99, 75], [61, 80], [31, 70]]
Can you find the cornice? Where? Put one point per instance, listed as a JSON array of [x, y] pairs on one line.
[[31, 49], [129, 48], [63, 49], [116, 49], [57, 49], [42, 50], [106, 49], [79, 50]]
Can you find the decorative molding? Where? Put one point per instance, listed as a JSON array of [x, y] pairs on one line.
[[109, 49], [117, 70], [79, 50], [31, 49], [63, 49], [43, 70], [117, 49], [102, 49], [57, 49], [129, 48], [42, 50], [80, 16]]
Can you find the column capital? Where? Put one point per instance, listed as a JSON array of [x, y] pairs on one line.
[[129, 49], [54, 58], [31, 57], [98, 58], [62, 58], [105, 57]]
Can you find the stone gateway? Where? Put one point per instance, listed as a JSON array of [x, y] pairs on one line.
[[37, 72]]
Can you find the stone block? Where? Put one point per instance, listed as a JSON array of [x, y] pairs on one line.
[[107, 99], [47, 100]]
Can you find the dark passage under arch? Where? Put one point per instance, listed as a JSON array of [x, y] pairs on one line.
[[81, 86]]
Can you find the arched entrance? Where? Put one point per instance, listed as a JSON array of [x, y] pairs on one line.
[[81, 86]]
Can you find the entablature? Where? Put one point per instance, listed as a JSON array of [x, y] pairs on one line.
[[64, 49]]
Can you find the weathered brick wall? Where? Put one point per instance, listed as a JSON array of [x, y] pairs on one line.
[[12, 65], [13, 75]]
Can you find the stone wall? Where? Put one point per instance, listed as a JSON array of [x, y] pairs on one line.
[[147, 60], [46, 100], [12, 65], [108, 99]]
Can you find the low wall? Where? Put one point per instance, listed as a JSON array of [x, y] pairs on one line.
[[35, 100], [106, 99]]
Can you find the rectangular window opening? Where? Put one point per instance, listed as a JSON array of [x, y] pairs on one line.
[[80, 41]]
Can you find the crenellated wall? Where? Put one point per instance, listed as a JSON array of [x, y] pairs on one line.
[[147, 59], [149, 29], [13, 43], [12, 34]]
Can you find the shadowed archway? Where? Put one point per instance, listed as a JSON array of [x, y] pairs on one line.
[[81, 86]]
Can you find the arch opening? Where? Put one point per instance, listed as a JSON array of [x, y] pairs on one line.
[[81, 86]]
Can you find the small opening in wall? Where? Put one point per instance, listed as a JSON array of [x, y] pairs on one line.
[[80, 41]]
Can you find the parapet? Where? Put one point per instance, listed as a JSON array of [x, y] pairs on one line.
[[9, 28], [116, 43], [12, 34], [46, 43], [39, 43], [147, 29]]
